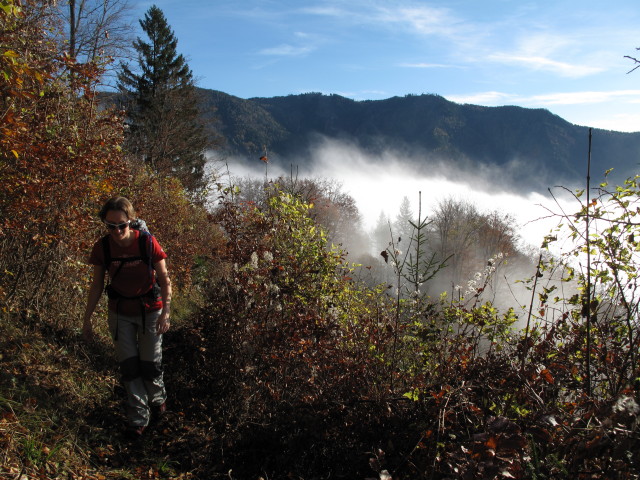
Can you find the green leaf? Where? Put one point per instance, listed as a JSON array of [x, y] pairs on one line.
[[413, 395]]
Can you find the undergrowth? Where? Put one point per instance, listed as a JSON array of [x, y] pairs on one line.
[[60, 418], [290, 369]]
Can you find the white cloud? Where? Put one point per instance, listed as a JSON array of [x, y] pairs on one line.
[[406, 16], [426, 65], [324, 11], [493, 98], [364, 94], [575, 98], [286, 50], [423, 20], [541, 63], [623, 122], [608, 110], [483, 98], [479, 42]]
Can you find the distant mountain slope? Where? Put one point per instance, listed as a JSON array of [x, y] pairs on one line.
[[523, 147], [246, 127], [532, 145]]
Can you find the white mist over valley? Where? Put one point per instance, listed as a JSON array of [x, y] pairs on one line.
[[379, 183]]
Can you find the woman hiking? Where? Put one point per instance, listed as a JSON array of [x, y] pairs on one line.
[[138, 308]]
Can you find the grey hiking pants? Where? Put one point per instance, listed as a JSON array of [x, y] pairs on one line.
[[140, 357]]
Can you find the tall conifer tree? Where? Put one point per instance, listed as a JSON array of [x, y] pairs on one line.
[[161, 101], [402, 226], [381, 234]]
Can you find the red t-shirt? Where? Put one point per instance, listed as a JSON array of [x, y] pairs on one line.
[[134, 278]]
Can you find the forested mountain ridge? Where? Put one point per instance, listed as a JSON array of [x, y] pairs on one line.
[[531, 145]]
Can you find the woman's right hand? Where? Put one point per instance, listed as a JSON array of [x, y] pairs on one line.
[[87, 332]]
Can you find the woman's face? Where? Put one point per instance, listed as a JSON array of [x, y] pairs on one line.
[[118, 225]]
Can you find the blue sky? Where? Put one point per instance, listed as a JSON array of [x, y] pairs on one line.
[[566, 55]]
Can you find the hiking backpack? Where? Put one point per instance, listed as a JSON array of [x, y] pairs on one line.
[[145, 244]]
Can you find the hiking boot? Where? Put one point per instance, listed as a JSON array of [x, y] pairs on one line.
[[158, 411]]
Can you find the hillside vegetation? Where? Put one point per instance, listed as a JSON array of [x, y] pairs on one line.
[[284, 360]]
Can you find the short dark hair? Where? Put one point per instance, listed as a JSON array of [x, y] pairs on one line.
[[118, 203]]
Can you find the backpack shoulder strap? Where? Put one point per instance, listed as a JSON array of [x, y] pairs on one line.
[[145, 244], [106, 249]]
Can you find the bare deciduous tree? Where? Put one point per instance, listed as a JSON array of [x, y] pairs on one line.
[[636, 61], [471, 238], [456, 225], [98, 30]]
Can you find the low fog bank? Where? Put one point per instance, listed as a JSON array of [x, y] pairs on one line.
[[379, 183], [518, 174]]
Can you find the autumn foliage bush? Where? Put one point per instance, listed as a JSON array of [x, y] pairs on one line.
[[292, 295], [287, 338], [309, 371], [60, 159]]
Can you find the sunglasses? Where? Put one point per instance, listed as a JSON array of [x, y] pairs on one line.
[[119, 226]]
